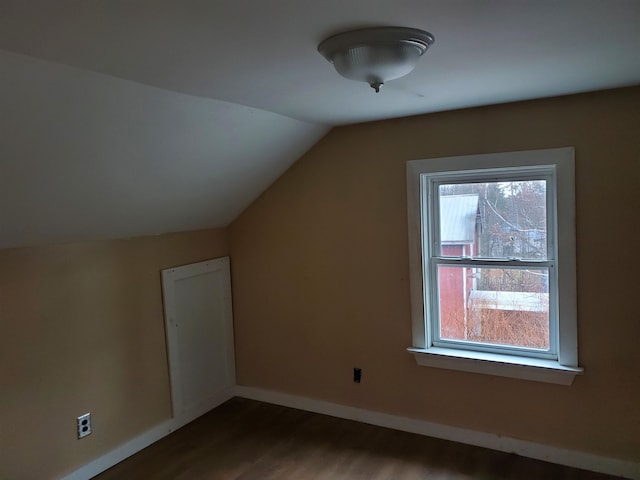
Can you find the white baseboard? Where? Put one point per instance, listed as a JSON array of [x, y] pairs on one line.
[[571, 458], [125, 450], [140, 442]]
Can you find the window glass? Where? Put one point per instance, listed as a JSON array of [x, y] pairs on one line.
[[499, 306], [494, 219]]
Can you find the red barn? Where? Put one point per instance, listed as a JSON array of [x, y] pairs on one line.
[[458, 237]]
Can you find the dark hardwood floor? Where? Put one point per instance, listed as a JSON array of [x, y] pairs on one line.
[[244, 439]]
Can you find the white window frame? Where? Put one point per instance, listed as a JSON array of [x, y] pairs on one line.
[[560, 363]]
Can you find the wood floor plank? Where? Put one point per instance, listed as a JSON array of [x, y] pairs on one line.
[[249, 440]]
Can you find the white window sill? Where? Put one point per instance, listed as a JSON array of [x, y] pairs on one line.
[[536, 369]]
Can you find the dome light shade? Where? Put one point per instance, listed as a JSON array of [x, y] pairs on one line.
[[376, 55]]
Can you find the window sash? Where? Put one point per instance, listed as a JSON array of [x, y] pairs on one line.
[[431, 246], [430, 204], [491, 262], [433, 310]]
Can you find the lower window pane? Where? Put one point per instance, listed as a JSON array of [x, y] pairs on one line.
[[503, 306]]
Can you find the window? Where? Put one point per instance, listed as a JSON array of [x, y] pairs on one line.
[[492, 252]]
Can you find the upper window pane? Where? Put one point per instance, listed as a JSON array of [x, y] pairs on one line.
[[494, 219]]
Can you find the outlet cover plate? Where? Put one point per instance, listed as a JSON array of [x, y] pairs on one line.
[[84, 425]]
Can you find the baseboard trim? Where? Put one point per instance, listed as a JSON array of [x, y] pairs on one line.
[[118, 454], [571, 458], [140, 442]]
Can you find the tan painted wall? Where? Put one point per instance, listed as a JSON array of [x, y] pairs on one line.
[[83, 330], [320, 272]]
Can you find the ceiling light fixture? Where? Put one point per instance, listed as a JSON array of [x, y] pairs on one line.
[[376, 55]]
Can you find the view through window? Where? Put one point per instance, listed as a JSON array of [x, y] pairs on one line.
[[486, 223]]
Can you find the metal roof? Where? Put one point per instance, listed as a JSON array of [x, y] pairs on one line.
[[458, 218]]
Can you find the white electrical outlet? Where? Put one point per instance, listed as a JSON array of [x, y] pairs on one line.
[[84, 425]]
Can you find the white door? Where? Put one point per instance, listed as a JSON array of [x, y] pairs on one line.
[[199, 327]]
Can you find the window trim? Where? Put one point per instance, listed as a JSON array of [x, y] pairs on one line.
[[561, 370]]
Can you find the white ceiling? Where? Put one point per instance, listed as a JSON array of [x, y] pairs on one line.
[[124, 118]]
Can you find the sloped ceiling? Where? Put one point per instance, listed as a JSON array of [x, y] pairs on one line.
[[124, 118], [89, 156]]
